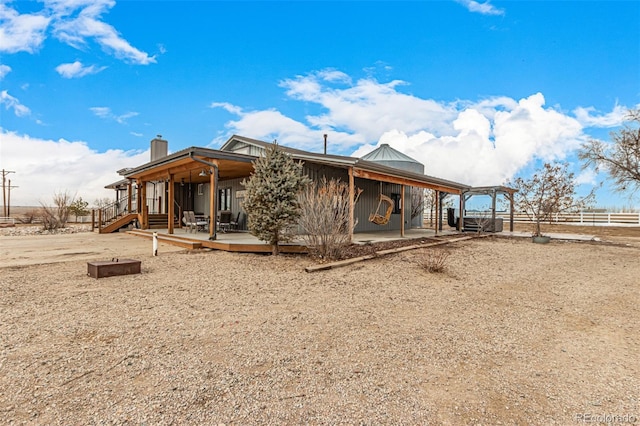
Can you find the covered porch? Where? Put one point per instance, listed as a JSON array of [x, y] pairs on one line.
[[206, 185], [194, 180]]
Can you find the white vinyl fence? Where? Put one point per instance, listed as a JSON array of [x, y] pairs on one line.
[[581, 218]]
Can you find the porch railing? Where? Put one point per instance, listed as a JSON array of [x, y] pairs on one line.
[[177, 213], [112, 212]]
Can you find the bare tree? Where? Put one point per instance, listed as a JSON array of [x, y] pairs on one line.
[[56, 216], [324, 218], [100, 203], [417, 202], [621, 158], [549, 191], [430, 204]]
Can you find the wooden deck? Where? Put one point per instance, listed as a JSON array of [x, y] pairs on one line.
[[244, 242]]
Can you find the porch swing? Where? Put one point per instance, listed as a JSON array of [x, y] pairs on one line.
[[376, 217]]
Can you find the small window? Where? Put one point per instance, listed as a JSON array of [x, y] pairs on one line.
[[201, 189]]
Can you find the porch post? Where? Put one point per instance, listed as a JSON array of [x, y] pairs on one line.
[[352, 194], [511, 212], [170, 212], [441, 197], [402, 210], [461, 202], [142, 203], [117, 206], [129, 192], [493, 207], [437, 207], [213, 219]]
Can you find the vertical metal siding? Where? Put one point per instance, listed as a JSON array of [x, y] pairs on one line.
[[366, 204]]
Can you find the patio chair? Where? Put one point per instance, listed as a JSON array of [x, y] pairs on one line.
[[235, 224], [193, 223], [186, 220], [202, 224], [189, 220], [225, 221]]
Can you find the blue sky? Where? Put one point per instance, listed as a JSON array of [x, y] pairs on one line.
[[480, 92]]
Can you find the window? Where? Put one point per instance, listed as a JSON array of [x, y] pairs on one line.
[[397, 201], [224, 199]]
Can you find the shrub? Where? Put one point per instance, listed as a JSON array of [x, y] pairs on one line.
[[324, 218], [433, 260], [30, 215], [56, 216]]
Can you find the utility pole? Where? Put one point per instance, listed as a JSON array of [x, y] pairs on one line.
[[9, 197], [4, 191]]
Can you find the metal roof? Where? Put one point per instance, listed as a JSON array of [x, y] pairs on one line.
[[385, 153], [331, 160]]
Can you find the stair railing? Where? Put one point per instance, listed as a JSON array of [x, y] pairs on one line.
[[112, 211], [177, 217]]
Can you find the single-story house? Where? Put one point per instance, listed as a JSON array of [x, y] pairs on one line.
[[208, 181]]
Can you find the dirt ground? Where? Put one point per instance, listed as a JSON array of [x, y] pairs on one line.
[[511, 333]]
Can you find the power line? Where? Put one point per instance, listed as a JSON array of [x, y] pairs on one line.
[[9, 197], [4, 191]]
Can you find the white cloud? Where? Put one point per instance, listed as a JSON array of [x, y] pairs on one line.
[[485, 8], [76, 70], [102, 112], [486, 150], [21, 33], [61, 166], [10, 102], [369, 108], [587, 177], [483, 142], [122, 119], [227, 107], [611, 119], [73, 22], [75, 30], [4, 70], [105, 112], [270, 124]]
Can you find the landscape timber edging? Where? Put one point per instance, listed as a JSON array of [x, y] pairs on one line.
[[345, 262]]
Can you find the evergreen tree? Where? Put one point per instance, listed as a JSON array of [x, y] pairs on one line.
[[271, 199], [79, 207]]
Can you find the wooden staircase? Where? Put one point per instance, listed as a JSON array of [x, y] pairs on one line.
[[158, 221], [118, 223]]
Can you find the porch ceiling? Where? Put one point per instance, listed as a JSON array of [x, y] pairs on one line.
[[189, 169], [401, 180]]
